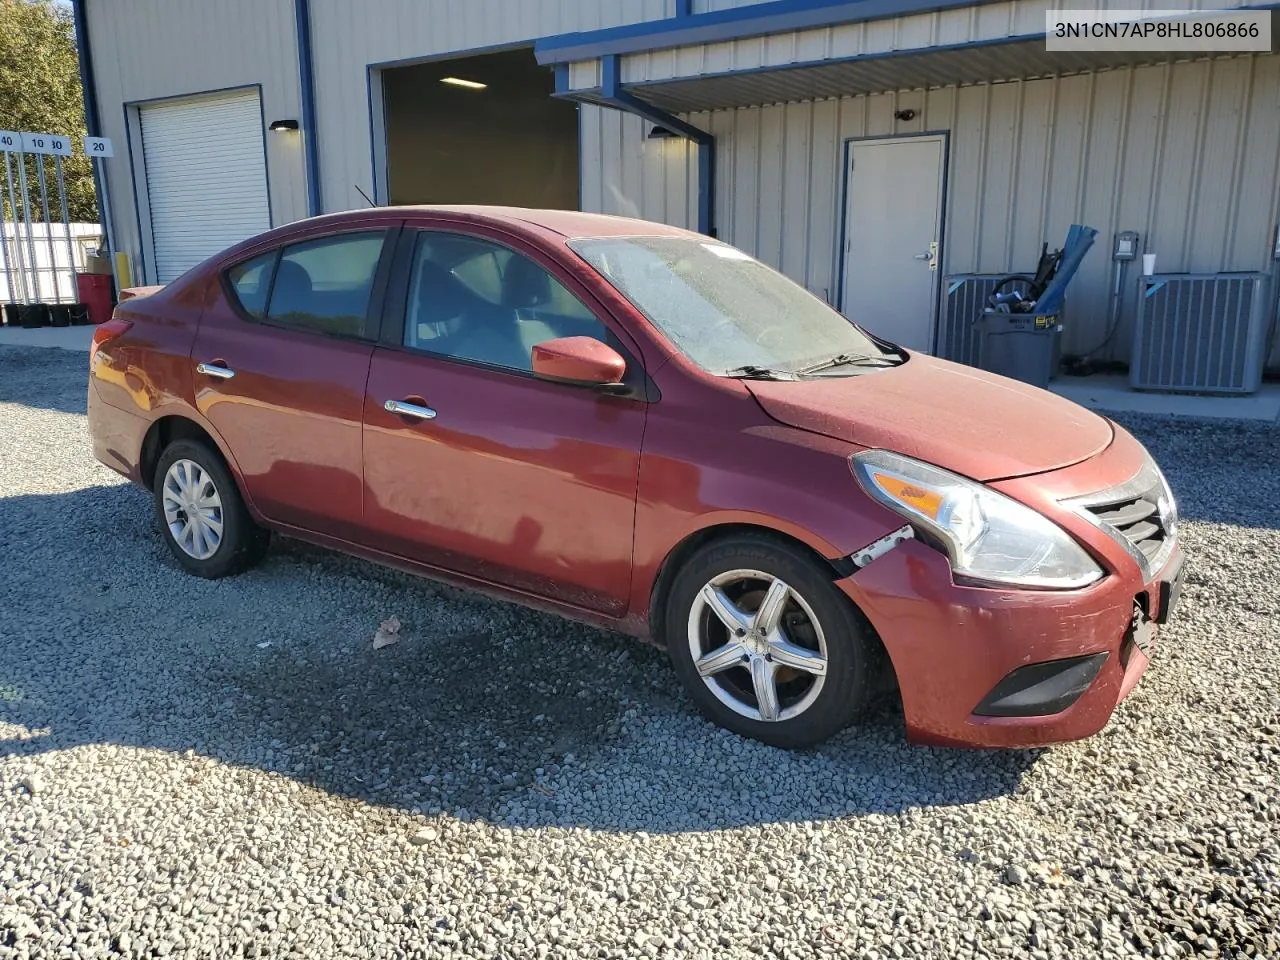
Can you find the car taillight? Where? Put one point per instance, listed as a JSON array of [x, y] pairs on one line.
[[105, 333]]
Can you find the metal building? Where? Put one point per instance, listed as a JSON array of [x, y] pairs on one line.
[[877, 151]]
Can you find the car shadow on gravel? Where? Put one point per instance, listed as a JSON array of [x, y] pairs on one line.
[[63, 385], [482, 710]]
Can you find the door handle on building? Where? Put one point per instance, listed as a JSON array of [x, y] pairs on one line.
[[215, 370], [409, 410], [930, 255]]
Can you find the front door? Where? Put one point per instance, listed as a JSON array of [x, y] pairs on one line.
[[480, 468], [892, 231]]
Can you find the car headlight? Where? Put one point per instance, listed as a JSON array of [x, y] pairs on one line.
[[988, 537]]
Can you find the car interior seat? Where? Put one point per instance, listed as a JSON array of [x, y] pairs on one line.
[[525, 288]]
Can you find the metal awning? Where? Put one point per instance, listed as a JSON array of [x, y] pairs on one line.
[[1020, 58]]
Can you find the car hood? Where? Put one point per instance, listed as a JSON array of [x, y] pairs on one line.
[[977, 424]]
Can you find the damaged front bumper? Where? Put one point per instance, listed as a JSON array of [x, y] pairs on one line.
[[978, 666]]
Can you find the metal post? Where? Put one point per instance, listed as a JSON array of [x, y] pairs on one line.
[[17, 235], [66, 228], [11, 293], [31, 239], [48, 227], [105, 212]]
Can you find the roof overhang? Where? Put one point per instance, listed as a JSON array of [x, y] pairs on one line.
[[792, 50], [1013, 58]]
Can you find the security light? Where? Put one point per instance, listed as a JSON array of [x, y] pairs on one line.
[[283, 126]]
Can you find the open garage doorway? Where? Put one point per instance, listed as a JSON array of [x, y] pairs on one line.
[[478, 129]]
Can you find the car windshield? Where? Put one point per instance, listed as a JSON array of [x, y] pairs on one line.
[[727, 312]]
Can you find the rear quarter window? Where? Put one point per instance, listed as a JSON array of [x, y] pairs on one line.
[[251, 282]]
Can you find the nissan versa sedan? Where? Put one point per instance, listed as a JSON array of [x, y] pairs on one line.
[[647, 429]]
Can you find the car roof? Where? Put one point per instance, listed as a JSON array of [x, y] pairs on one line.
[[567, 223]]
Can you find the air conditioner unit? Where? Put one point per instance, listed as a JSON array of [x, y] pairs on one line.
[[1200, 333], [964, 297]]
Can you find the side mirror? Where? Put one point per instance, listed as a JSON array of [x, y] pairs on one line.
[[583, 360]]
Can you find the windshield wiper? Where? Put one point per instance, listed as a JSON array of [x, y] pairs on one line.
[[752, 372], [848, 360]]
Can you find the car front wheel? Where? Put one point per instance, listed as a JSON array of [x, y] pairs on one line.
[[765, 644], [201, 515]]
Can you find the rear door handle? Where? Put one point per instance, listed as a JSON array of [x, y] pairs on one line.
[[409, 410], [215, 370]]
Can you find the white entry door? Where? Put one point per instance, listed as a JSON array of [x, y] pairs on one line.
[[892, 230], [206, 178]]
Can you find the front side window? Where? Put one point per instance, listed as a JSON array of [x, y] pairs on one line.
[[473, 299], [320, 285], [723, 309]]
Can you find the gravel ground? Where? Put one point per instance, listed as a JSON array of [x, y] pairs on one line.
[[229, 769]]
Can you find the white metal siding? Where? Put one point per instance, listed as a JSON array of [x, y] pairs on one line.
[[1187, 154], [972, 24], [206, 178], [147, 49]]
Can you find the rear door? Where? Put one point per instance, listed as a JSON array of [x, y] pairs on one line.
[[281, 361], [495, 474]]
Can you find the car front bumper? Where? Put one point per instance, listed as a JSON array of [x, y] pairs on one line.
[[953, 646]]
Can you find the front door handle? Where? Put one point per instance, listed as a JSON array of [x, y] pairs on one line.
[[215, 370], [409, 410], [923, 256]]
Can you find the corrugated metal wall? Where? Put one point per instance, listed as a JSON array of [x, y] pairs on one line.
[[1187, 154], [145, 49], [349, 37]]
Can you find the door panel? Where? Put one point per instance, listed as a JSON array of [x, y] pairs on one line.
[[293, 329], [519, 482], [291, 416], [892, 234]]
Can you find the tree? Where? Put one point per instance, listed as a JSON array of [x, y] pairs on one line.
[[40, 93]]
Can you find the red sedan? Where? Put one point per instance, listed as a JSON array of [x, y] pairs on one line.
[[647, 429]]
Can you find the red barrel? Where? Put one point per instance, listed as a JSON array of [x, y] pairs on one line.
[[95, 293]]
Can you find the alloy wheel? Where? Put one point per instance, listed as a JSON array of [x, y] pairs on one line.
[[757, 645], [192, 509]]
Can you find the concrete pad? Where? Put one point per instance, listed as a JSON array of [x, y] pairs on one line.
[[65, 338], [1114, 393]]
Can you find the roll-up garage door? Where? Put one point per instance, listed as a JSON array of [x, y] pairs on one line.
[[206, 178]]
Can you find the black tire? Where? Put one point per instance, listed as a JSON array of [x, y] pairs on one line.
[[243, 542], [851, 649]]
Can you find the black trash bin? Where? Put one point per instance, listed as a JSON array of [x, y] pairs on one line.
[[1023, 346]]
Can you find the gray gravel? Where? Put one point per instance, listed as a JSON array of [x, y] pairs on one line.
[[229, 769]]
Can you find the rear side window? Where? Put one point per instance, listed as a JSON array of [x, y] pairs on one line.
[[325, 285], [251, 281], [322, 285]]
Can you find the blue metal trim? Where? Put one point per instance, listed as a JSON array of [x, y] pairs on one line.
[[752, 20], [369, 74], [612, 94], [92, 125], [86, 67], [562, 79], [307, 86], [684, 8], [527, 44]]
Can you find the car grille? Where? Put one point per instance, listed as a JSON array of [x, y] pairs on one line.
[[1138, 520], [1140, 515]]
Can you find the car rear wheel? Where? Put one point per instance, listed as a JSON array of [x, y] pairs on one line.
[[765, 644], [201, 515]]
